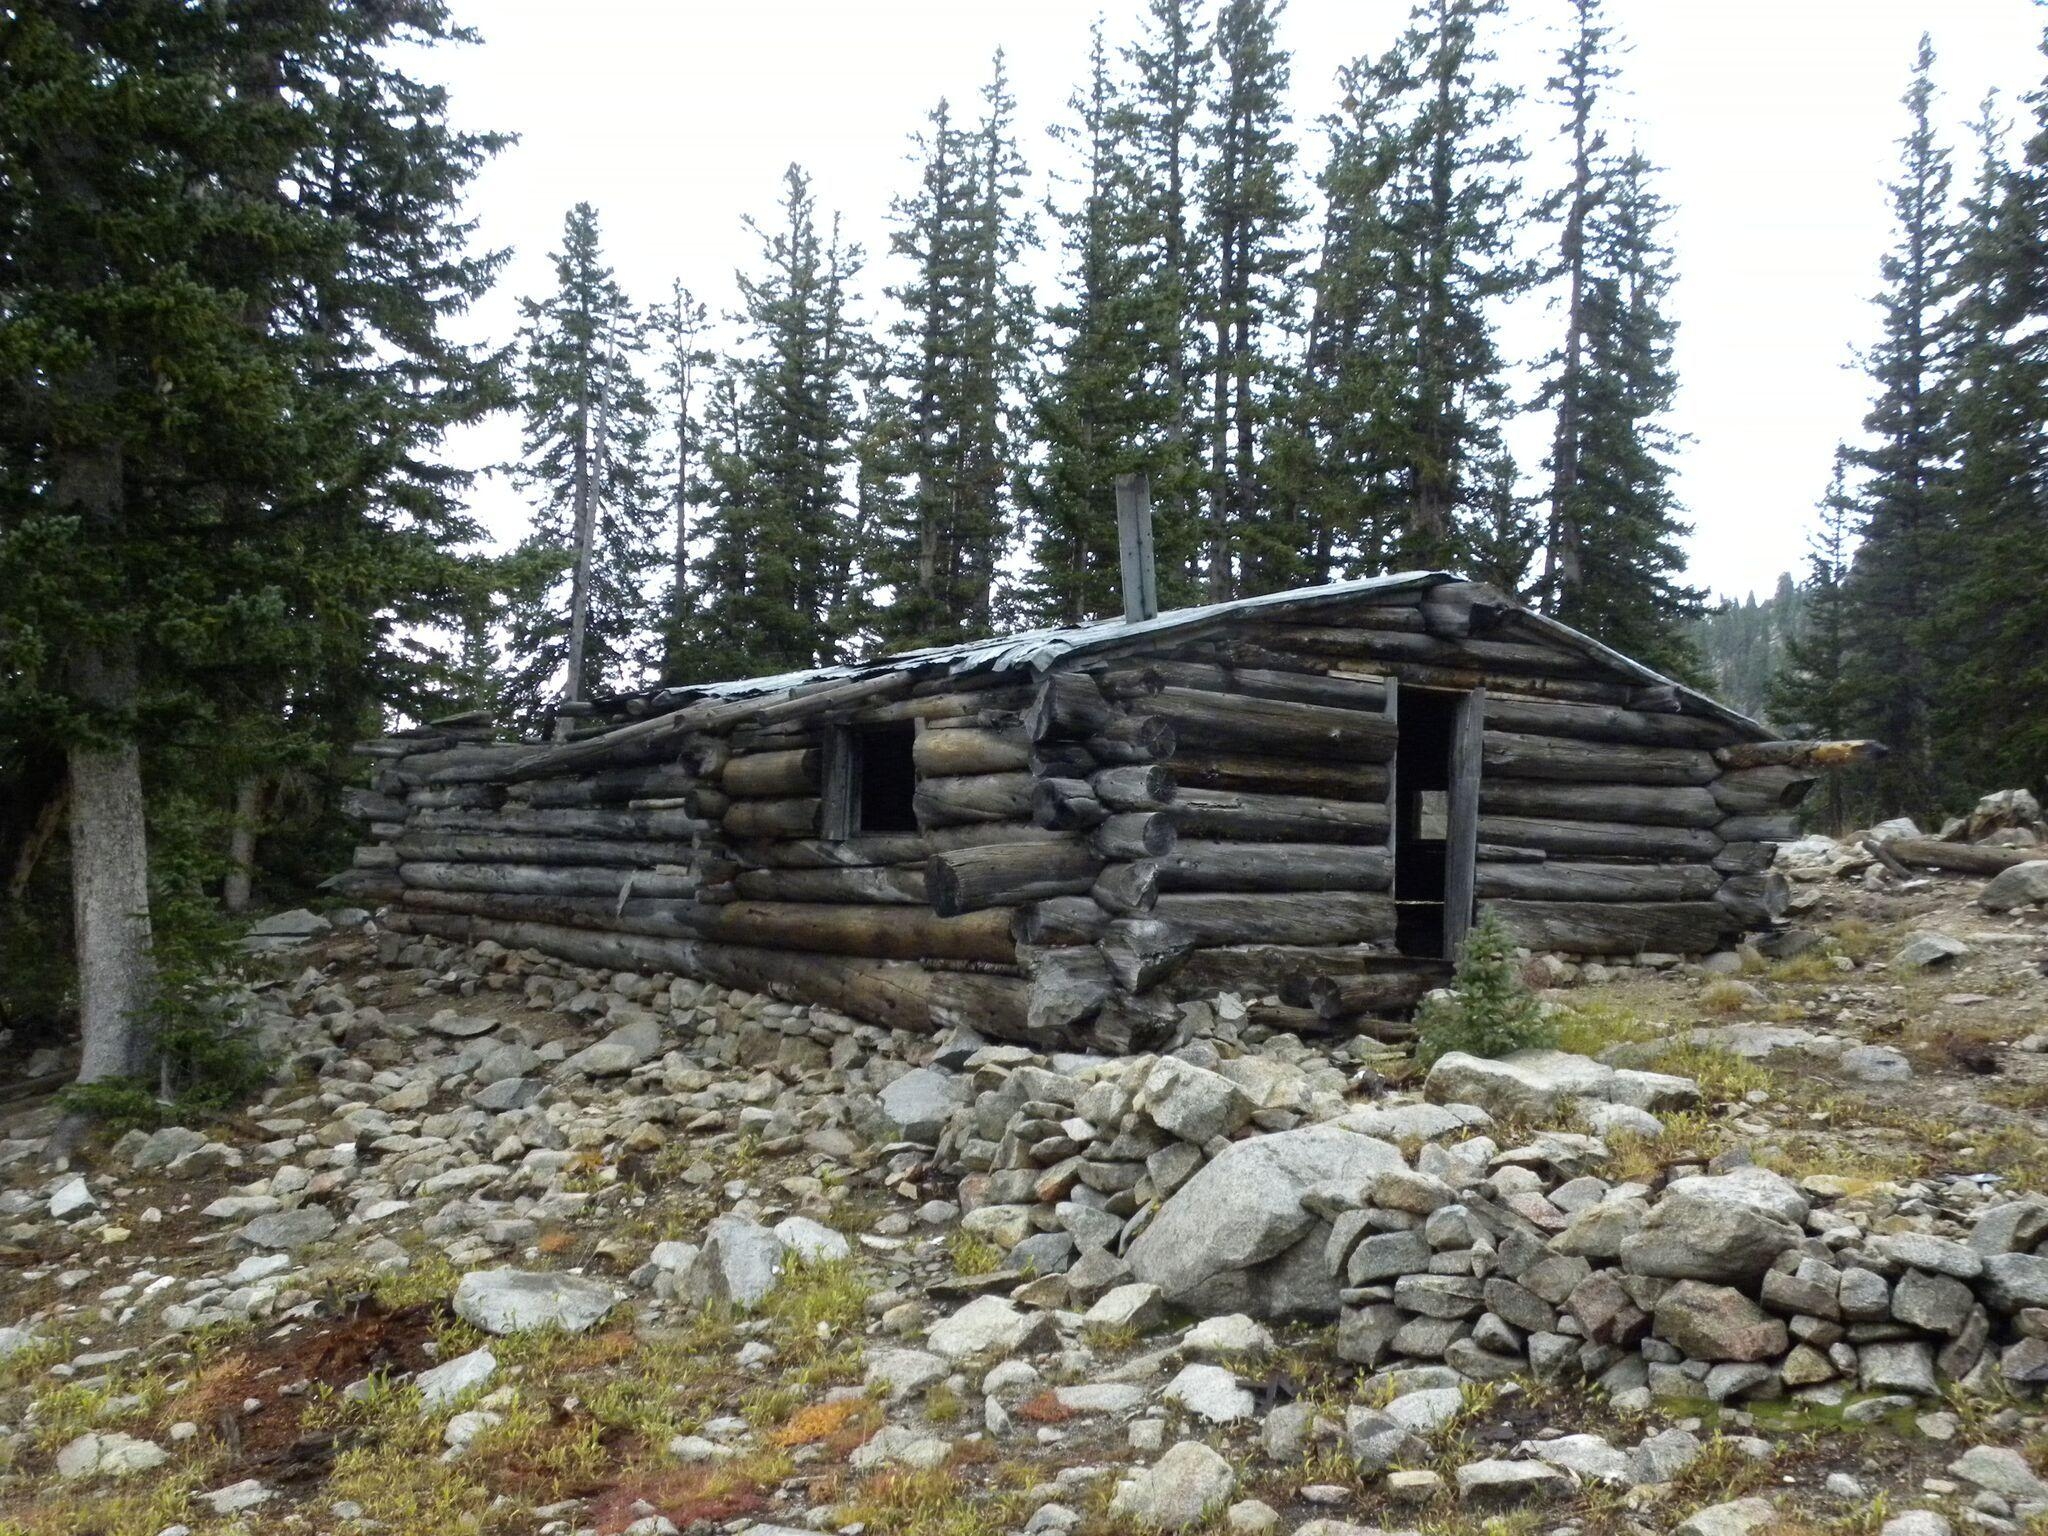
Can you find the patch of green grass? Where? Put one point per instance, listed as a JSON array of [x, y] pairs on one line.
[[973, 1255], [1592, 1024], [932, 1502], [1723, 1076]]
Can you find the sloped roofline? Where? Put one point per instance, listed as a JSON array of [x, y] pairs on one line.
[[1043, 650]]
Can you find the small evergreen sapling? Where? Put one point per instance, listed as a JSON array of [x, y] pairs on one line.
[[1490, 1010]]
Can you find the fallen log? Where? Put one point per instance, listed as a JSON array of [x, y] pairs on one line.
[[1962, 858], [1811, 755]]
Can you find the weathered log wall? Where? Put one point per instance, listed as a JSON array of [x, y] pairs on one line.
[[1198, 810]]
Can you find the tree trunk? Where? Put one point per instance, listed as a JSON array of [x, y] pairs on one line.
[[234, 889]]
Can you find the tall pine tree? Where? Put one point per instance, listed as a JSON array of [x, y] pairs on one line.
[[682, 360], [1249, 217], [773, 592], [588, 462], [1810, 695], [1895, 591]]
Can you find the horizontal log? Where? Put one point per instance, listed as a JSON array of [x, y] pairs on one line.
[[766, 775], [1576, 690], [1304, 918], [1147, 787], [368, 805], [1249, 969], [454, 797], [1759, 791], [1133, 739], [1964, 858], [973, 798], [465, 765], [570, 821], [547, 879], [891, 847], [752, 820], [1613, 927], [610, 787], [1133, 684], [1757, 900], [1594, 839], [1207, 721], [1673, 806], [1745, 858], [1059, 920], [367, 886], [948, 754], [893, 995], [893, 885], [1511, 754], [1135, 835], [1245, 817], [1774, 827], [1602, 722], [1346, 997], [1280, 775], [1069, 704], [484, 847], [1599, 882], [1127, 889], [1008, 875], [1066, 805], [1812, 755], [374, 856], [1225, 866], [1510, 656]]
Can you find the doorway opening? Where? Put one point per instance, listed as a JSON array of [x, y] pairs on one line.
[[1425, 754]]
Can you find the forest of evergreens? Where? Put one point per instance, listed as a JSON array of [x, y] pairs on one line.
[[234, 250]]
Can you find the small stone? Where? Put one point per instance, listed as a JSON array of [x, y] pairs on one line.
[[989, 1326], [108, 1454], [1177, 1491], [1250, 1517], [444, 1384], [1210, 1392], [1715, 1322], [1739, 1517], [503, 1301], [1495, 1484], [1137, 1307], [289, 1230], [2000, 1470], [70, 1198], [1231, 1334]]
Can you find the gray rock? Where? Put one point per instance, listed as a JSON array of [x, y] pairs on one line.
[[899, 1445], [632, 1043], [1210, 1392], [2002, 1471], [1936, 1255], [1718, 1322], [507, 1093], [295, 924], [1177, 1491], [1934, 1302], [812, 1241], [503, 1301], [248, 1494], [1897, 1365], [1598, 1231], [108, 1454], [1537, 1084], [460, 1026], [1231, 1334], [902, 1372], [1375, 1441], [1426, 1410], [1191, 1103], [289, 1230], [1697, 1237], [1387, 1256], [440, 1387], [1758, 1188], [165, 1146], [2014, 1227], [2020, 886], [1739, 1517], [70, 1198], [1588, 1456], [1925, 949], [1495, 1484], [989, 1326], [920, 1102], [1876, 1064], [1244, 1208], [1917, 1522], [1663, 1456], [2015, 1280], [738, 1266]]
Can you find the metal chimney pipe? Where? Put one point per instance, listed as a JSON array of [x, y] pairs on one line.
[[1134, 546]]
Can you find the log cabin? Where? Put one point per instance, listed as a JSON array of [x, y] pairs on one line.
[[1055, 837]]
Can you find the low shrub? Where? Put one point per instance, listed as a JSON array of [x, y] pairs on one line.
[[1490, 1010]]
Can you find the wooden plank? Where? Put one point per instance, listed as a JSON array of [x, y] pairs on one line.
[[1461, 828]]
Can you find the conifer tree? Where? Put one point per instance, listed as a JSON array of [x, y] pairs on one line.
[[1249, 215], [1625, 557], [229, 238], [1809, 694], [1992, 706], [781, 436], [588, 462], [1171, 68], [1097, 411], [961, 340], [1905, 464], [682, 362]]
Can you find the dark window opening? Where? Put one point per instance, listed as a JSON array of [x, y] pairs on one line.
[[1422, 781], [884, 777]]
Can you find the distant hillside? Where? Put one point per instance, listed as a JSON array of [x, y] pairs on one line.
[[1743, 644]]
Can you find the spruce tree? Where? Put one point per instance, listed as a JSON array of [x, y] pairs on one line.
[[1171, 68], [1809, 693], [1452, 224], [1098, 410], [1991, 709], [1625, 556], [781, 436], [587, 461], [682, 361], [1249, 217], [961, 340], [1895, 591], [229, 238]]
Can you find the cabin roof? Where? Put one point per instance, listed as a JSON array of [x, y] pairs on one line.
[[1041, 650]]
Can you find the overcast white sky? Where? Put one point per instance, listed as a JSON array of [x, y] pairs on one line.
[[1776, 121]]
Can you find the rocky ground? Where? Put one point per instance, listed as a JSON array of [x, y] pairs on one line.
[[510, 1247]]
